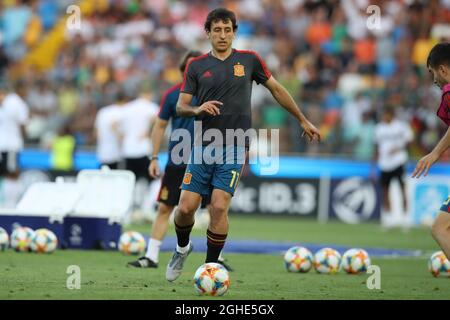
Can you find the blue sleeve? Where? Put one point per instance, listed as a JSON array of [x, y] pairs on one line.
[[166, 106]]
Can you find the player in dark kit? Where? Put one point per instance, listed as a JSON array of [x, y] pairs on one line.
[[439, 66], [222, 83], [169, 193]]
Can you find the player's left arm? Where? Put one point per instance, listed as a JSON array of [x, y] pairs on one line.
[[426, 162], [287, 102]]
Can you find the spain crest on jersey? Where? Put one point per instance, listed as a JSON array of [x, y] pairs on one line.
[[239, 70], [187, 178]]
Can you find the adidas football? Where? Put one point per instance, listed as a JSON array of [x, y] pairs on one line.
[[21, 239], [4, 239], [355, 261], [211, 279], [298, 259], [44, 241], [439, 265], [131, 242], [327, 260]]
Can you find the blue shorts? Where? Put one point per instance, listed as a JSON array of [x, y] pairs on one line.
[[446, 205], [214, 168]]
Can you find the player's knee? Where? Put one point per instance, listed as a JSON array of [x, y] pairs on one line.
[[165, 210], [219, 208], [185, 209]]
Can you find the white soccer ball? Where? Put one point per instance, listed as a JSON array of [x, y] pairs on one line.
[[211, 279], [355, 261], [21, 238], [439, 265], [132, 242], [327, 260], [298, 259], [4, 239], [44, 241]]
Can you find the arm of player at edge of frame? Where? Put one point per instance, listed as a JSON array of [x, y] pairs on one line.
[[283, 97], [184, 108], [424, 164]]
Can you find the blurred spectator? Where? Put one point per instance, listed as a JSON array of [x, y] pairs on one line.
[[67, 100], [43, 110], [48, 11], [361, 137], [14, 21], [319, 31], [34, 28]]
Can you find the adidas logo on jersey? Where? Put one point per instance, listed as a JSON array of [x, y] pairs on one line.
[[207, 74]]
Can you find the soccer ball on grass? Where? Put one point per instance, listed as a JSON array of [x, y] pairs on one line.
[[327, 260], [21, 238], [211, 279], [132, 242], [298, 259], [439, 265], [44, 241], [355, 261]]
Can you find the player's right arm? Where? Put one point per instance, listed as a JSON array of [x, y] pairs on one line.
[[426, 162], [157, 135], [184, 108]]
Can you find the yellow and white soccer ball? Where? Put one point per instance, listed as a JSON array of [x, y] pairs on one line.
[[4, 239], [21, 238], [44, 241], [439, 265], [132, 242], [298, 259], [355, 261], [211, 279], [327, 260]]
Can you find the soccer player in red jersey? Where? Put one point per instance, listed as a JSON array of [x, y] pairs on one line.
[[438, 64]]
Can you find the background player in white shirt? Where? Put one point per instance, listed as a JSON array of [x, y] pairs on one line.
[[137, 120], [392, 137], [107, 124], [13, 118]]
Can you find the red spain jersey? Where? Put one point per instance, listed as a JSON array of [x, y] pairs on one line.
[[444, 109]]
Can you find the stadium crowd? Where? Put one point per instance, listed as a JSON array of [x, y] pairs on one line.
[[338, 60]]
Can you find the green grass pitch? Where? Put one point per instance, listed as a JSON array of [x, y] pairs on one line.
[[257, 276]]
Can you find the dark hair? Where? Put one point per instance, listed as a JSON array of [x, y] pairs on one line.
[[440, 54], [121, 95], [389, 109], [187, 56], [220, 14]]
